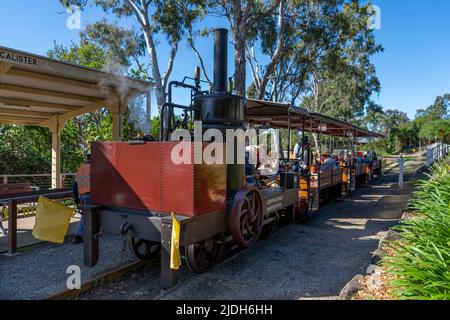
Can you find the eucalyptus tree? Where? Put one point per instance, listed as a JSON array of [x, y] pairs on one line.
[[157, 21], [242, 15], [324, 64], [343, 78], [440, 109], [290, 39]]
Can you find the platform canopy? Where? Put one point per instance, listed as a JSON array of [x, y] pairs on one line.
[[282, 115], [36, 90]]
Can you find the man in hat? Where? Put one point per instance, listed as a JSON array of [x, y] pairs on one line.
[[299, 149], [302, 153], [327, 161]]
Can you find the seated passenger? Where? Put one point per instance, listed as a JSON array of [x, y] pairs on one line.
[[327, 161]]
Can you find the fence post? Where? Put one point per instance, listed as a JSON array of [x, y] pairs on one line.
[[400, 173], [5, 180], [12, 227], [428, 161]]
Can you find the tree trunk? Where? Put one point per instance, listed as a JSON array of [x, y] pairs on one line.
[[239, 62], [159, 88], [240, 35], [277, 54]]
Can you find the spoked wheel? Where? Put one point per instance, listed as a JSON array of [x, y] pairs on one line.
[[142, 249], [246, 217], [203, 255]]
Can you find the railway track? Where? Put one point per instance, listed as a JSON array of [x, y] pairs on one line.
[[93, 282], [137, 275]]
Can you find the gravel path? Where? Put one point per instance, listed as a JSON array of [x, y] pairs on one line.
[[40, 270], [315, 259]]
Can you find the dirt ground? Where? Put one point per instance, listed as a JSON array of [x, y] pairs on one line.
[[313, 260]]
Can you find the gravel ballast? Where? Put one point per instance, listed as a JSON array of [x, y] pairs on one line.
[[40, 270]]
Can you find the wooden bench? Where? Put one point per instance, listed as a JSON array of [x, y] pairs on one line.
[[12, 189]]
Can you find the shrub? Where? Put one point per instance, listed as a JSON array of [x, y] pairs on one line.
[[421, 259]]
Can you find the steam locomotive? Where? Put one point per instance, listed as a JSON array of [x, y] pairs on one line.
[[136, 186]]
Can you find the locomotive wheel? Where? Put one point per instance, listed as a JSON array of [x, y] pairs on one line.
[[142, 249], [246, 217], [203, 255]]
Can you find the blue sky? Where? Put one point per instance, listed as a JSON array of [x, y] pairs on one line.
[[413, 69]]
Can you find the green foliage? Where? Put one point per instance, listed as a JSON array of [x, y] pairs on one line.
[[434, 122], [24, 150], [155, 128], [325, 64], [436, 130], [421, 259], [430, 125], [381, 147], [440, 109], [85, 54], [123, 44]]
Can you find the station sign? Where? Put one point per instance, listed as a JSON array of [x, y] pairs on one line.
[[17, 58]]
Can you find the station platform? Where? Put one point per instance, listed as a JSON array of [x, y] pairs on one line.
[[24, 233]]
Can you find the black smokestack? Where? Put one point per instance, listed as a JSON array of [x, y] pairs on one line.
[[220, 59]]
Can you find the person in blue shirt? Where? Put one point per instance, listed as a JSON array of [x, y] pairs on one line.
[[327, 161]]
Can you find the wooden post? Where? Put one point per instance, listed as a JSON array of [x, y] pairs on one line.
[[56, 157], [400, 174], [12, 227]]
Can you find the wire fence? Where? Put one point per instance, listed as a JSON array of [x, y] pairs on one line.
[[43, 181]]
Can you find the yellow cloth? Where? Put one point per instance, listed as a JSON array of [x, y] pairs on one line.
[[52, 221], [175, 259]]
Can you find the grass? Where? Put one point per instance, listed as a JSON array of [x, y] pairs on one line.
[[420, 261]]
